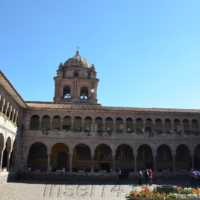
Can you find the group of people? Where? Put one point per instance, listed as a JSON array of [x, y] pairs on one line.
[[148, 176], [195, 178]]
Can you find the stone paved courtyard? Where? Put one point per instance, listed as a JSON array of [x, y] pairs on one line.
[[75, 190]]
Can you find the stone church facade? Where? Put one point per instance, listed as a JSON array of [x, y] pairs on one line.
[[76, 133]]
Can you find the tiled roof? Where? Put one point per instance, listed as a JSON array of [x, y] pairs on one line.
[[53, 106]]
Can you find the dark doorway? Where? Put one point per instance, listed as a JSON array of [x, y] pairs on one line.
[[105, 166], [62, 160]]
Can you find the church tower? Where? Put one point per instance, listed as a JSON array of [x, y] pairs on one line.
[[76, 82]]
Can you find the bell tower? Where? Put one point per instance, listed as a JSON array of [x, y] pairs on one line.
[[76, 82]]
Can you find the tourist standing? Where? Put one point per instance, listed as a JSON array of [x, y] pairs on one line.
[[150, 176], [146, 176], [140, 176], [120, 172], [191, 174]]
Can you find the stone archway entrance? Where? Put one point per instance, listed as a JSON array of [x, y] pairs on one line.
[[62, 160]]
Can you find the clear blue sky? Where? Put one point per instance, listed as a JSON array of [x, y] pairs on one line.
[[146, 52]]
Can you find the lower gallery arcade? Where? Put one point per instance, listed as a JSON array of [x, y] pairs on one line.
[[105, 160]]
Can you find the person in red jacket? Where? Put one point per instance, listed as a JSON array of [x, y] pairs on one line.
[[150, 176]]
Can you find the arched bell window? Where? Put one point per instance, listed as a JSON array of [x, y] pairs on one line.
[[75, 74], [67, 92], [84, 93]]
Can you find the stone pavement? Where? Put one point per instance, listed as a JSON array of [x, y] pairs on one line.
[[75, 190]]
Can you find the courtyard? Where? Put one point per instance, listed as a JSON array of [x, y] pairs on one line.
[[76, 189]]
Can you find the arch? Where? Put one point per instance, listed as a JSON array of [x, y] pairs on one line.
[[66, 92], [158, 119], [84, 93], [129, 125], [145, 157], [109, 124], [103, 157], [139, 125], [164, 157], [37, 157], [183, 156], [59, 154], [45, 123], [131, 157], [149, 125], [98, 124], [194, 125], [2, 142], [75, 74], [186, 125], [119, 125], [56, 122], [158, 125], [88, 124], [177, 126], [78, 124], [34, 124], [66, 125]]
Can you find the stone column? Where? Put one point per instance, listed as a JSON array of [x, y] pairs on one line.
[[104, 124], [163, 128], [13, 114], [51, 124], [49, 160], [114, 128], [70, 162], [113, 155], [182, 127], [190, 126], [7, 106], [9, 150], [1, 158], [134, 123], [61, 124], [83, 125], [173, 128], [3, 104], [125, 127], [135, 162], [10, 111], [93, 126], [72, 122], [16, 115], [174, 161], [153, 127], [144, 125], [192, 158], [154, 161], [40, 122], [92, 159]]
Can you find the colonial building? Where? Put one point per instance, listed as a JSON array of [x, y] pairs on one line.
[[76, 133]]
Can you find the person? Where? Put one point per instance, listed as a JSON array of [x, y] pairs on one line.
[[146, 176], [120, 172], [191, 174], [111, 170], [29, 169], [150, 176], [140, 176], [196, 178], [50, 168], [63, 169]]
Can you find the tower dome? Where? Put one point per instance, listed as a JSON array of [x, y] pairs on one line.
[[77, 61]]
